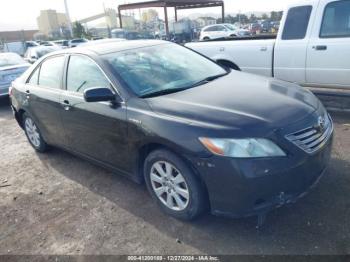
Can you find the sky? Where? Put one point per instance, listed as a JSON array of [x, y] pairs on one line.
[[22, 14]]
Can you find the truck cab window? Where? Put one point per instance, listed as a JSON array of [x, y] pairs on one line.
[[297, 22], [336, 20]]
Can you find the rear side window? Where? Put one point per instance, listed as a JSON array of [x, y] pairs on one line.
[[51, 72], [83, 73], [34, 77], [336, 20], [297, 23]]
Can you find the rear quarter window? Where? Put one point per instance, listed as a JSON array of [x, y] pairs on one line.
[[297, 22], [51, 72]]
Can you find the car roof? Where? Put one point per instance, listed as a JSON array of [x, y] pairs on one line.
[[111, 47]]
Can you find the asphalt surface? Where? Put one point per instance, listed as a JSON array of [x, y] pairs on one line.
[[56, 203]]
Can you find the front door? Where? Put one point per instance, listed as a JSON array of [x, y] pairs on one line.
[[328, 54], [97, 130]]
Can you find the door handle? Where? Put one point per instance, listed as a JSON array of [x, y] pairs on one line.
[[66, 105], [263, 48], [320, 47]]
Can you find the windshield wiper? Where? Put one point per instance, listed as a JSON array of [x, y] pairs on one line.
[[207, 80], [175, 90], [163, 92]]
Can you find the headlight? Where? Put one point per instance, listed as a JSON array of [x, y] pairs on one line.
[[242, 148]]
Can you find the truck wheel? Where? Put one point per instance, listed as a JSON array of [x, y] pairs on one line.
[[173, 185], [206, 38]]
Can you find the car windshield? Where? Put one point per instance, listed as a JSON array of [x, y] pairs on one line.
[[162, 69], [231, 27], [79, 41], [10, 59], [43, 51]]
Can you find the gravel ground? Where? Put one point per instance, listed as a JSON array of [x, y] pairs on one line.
[[56, 203]]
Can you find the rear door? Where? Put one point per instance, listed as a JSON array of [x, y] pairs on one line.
[[97, 130], [43, 90], [328, 54]]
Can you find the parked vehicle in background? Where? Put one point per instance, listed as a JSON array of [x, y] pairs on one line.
[[201, 136], [62, 43], [30, 44], [218, 31], [312, 47], [15, 47], [242, 32], [77, 42], [34, 53], [49, 43], [11, 67], [255, 28], [125, 34]]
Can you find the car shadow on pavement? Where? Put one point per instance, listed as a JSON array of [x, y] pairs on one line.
[[316, 224]]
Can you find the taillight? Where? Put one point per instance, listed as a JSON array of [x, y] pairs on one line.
[[10, 90]]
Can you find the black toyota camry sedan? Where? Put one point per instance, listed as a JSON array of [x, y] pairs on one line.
[[201, 136]]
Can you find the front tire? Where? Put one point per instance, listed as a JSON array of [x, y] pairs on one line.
[[33, 134], [173, 185]]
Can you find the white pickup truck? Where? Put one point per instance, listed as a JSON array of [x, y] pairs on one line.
[[312, 47]]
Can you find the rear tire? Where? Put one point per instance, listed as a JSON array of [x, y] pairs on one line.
[[206, 38], [33, 134], [173, 185]]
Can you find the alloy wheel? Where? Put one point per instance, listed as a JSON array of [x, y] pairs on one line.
[[169, 186], [32, 132]]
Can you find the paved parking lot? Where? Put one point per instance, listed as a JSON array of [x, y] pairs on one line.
[[59, 204]]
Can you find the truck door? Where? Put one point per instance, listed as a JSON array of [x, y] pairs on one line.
[[328, 53], [291, 44]]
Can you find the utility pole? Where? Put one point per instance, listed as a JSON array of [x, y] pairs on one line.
[[68, 18]]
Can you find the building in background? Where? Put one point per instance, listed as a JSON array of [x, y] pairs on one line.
[[51, 23], [17, 36], [204, 21]]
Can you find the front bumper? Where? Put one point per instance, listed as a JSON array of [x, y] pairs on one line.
[[246, 187]]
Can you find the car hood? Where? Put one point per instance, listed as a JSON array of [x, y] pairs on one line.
[[240, 101]]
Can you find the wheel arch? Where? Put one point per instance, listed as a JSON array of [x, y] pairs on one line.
[[146, 149], [19, 117], [228, 63]]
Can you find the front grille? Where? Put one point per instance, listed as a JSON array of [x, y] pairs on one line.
[[313, 138]]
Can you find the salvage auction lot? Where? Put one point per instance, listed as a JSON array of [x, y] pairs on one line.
[[56, 203]]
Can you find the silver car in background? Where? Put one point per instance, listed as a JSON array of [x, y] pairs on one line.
[[11, 67], [34, 53]]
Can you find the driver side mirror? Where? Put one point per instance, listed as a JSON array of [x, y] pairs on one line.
[[99, 94]]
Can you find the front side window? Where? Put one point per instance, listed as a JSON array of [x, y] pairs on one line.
[[83, 73], [51, 72], [162, 68], [336, 20], [297, 23]]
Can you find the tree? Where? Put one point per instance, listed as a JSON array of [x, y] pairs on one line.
[[149, 15], [276, 16], [79, 31], [252, 18], [265, 16]]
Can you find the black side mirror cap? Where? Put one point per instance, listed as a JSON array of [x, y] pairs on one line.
[[99, 94]]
